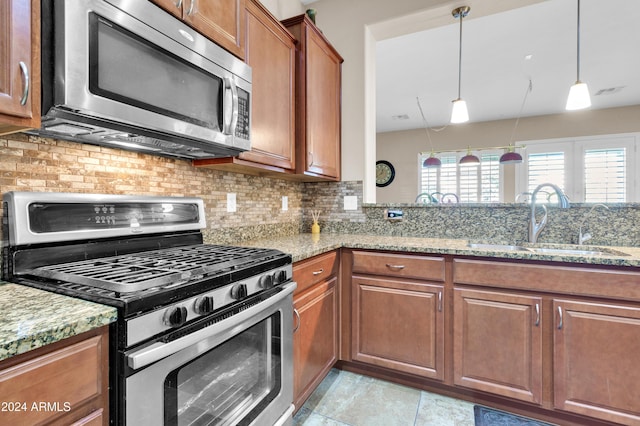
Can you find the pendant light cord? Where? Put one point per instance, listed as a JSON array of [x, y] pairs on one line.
[[515, 126], [460, 56], [578, 44]]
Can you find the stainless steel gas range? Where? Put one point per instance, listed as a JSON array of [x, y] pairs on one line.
[[204, 332]]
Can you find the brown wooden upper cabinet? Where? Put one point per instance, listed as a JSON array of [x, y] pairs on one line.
[[271, 53], [318, 101], [19, 65], [220, 20]]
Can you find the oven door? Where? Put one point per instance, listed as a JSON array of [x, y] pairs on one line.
[[237, 370]]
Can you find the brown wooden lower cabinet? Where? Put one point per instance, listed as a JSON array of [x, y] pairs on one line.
[[498, 343], [398, 325], [596, 360], [60, 384], [315, 340]]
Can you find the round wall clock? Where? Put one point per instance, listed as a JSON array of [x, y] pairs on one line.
[[384, 173]]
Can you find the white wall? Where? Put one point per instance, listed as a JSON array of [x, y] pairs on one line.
[[283, 9]]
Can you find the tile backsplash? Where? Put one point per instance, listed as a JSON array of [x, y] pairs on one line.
[[30, 163]]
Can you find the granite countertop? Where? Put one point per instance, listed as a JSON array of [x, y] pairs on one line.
[[33, 318], [303, 246]]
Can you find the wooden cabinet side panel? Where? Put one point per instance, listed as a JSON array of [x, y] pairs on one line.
[[498, 343], [315, 343], [270, 51], [398, 325], [596, 357]]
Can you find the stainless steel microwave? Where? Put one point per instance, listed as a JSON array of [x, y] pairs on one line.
[[128, 74]]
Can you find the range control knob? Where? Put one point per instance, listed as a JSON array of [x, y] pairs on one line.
[[280, 276], [203, 305], [239, 291], [175, 317], [266, 281]]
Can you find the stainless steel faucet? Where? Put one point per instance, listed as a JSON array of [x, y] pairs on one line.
[[584, 237], [534, 227]]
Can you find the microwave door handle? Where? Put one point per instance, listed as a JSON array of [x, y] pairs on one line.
[[230, 114]]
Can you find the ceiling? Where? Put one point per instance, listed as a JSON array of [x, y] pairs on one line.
[[495, 73]]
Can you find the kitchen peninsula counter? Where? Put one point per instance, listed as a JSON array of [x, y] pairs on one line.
[[32, 318], [303, 246]]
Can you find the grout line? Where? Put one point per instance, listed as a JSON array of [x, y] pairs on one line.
[[415, 419]]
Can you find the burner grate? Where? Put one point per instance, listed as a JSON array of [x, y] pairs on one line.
[[156, 268]]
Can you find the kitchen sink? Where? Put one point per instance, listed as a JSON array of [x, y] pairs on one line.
[[498, 247], [594, 251], [579, 252]]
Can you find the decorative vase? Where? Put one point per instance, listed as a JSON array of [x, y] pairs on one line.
[[315, 228], [311, 13]]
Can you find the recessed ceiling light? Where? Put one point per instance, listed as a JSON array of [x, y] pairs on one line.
[[528, 57]]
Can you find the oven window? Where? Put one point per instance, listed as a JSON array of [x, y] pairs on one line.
[[231, 384], [130, 69]]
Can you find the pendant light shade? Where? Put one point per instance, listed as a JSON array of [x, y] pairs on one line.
[[578, 97], [459, 113], [469, 159], [579, 93], [511, 156], [432, 161]]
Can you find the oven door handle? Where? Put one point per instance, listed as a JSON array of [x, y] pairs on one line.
[[159, 350]]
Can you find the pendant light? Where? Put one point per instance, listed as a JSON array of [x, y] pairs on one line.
[[511, 156], [459, 113], [579, 93], [469, 159]]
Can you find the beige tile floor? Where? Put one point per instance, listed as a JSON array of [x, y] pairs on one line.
[[348, 399]]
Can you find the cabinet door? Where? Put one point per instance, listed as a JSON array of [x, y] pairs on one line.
[[398, 325], [315, 341], [271, 54], [497, 344], [323, 88], [222, 21], [596, 358], [18, 68]]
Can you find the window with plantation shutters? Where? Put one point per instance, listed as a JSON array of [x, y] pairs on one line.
[[471, 184], [546, 167], [589, 170], [605, 177]]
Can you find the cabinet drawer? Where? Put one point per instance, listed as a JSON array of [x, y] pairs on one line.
[[399, 265], [51, 385], [314, 270]]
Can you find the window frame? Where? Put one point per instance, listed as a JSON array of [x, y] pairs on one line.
[[458, 155], [574, 149]]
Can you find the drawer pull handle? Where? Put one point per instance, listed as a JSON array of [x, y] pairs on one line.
[[179, 4], [321, 270], [560, 322], [25, 73], [440, 301], [298, 321], [190, 11], [537, 315], [395, 267]]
